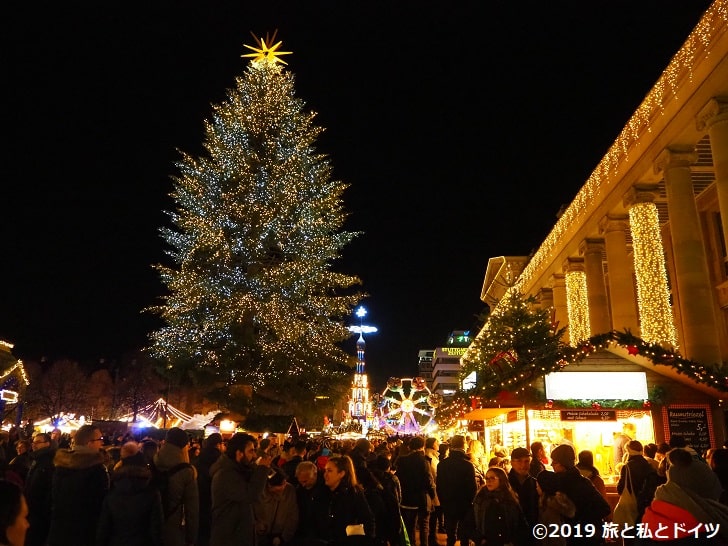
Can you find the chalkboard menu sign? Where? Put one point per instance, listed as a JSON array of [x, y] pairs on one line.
[[691, 424], [588, 415]]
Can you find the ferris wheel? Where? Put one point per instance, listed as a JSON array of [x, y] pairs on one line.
[[407, 406]]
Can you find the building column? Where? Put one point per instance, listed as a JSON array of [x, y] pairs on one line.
[[697, 306], [714, 118], [592, 250], [561, 312], [619, 267], [545, 298], [653, 293], [576, 300]]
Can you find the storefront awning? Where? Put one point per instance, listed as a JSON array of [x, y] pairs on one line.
[[487, 413]]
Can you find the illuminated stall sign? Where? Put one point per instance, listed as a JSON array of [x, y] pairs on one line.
[[588, 415], [596, 386]]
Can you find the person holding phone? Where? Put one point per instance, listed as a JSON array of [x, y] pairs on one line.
[[238, 481]]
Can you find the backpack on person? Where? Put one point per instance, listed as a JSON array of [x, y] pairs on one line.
[[160, 480]]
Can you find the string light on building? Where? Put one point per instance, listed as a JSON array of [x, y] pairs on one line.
[[360, 405], [653, 294], [577, 306]]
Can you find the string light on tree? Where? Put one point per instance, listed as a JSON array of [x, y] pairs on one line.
[[252, 297]]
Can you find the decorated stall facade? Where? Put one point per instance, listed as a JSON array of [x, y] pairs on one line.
[[611, 388]]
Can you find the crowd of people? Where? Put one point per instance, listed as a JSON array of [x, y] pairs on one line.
[[399, 491]]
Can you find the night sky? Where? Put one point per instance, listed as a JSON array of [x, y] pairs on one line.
[[461, 127]]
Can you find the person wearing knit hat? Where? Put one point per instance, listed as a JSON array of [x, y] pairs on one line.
[[178, 437], [564, 456], [697, 477], [688, 501], [126, 451], [591, 507], [642, 476], [181, 500], [129, 449], [132, 511]]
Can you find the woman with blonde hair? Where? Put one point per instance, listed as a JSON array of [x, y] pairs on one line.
[[477, 453], [496, 518]]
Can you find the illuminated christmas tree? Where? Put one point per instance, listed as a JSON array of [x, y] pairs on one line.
[[252, 297], [517, 344]]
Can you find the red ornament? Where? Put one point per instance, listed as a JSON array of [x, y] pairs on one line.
[[632, 349], [549, 404], [597, 405], [647, 404]]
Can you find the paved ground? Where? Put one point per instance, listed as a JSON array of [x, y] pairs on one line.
[[441, 540]]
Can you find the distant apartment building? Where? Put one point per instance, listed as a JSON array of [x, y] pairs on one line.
[[446, 363], [424, 365]]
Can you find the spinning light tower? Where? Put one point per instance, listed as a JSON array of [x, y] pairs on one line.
[[360, 407]]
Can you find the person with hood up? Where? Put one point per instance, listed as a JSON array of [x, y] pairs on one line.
[[237, 483], [182, 499], [688, 499], [213, 447], [131, 514], [80, 483]]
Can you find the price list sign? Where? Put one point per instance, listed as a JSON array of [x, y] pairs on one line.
[[691, 424]]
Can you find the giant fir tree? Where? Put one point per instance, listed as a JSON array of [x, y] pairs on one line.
[[252, 295]]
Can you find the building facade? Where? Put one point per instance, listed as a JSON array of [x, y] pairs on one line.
[[446, 363], [642, 250]]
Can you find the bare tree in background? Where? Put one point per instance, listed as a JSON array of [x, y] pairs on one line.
[[62, 388]]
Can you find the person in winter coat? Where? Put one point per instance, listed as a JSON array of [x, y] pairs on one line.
[[538, 459], [276, 512], [341, 510], [640, 472], [13, 514], [389, 526], [237, 483], [523, 484], [80, 483], [686, 501], [719, 464], [496, 518], [456, 489], [210, 453], [21, 462], [590, 472], [38, 489], [132, 511], [182, 499], [554, 507], [432, 453], [591, 508], [418, 489]]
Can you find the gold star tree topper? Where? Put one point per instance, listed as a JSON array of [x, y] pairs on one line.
[[266, 53]]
